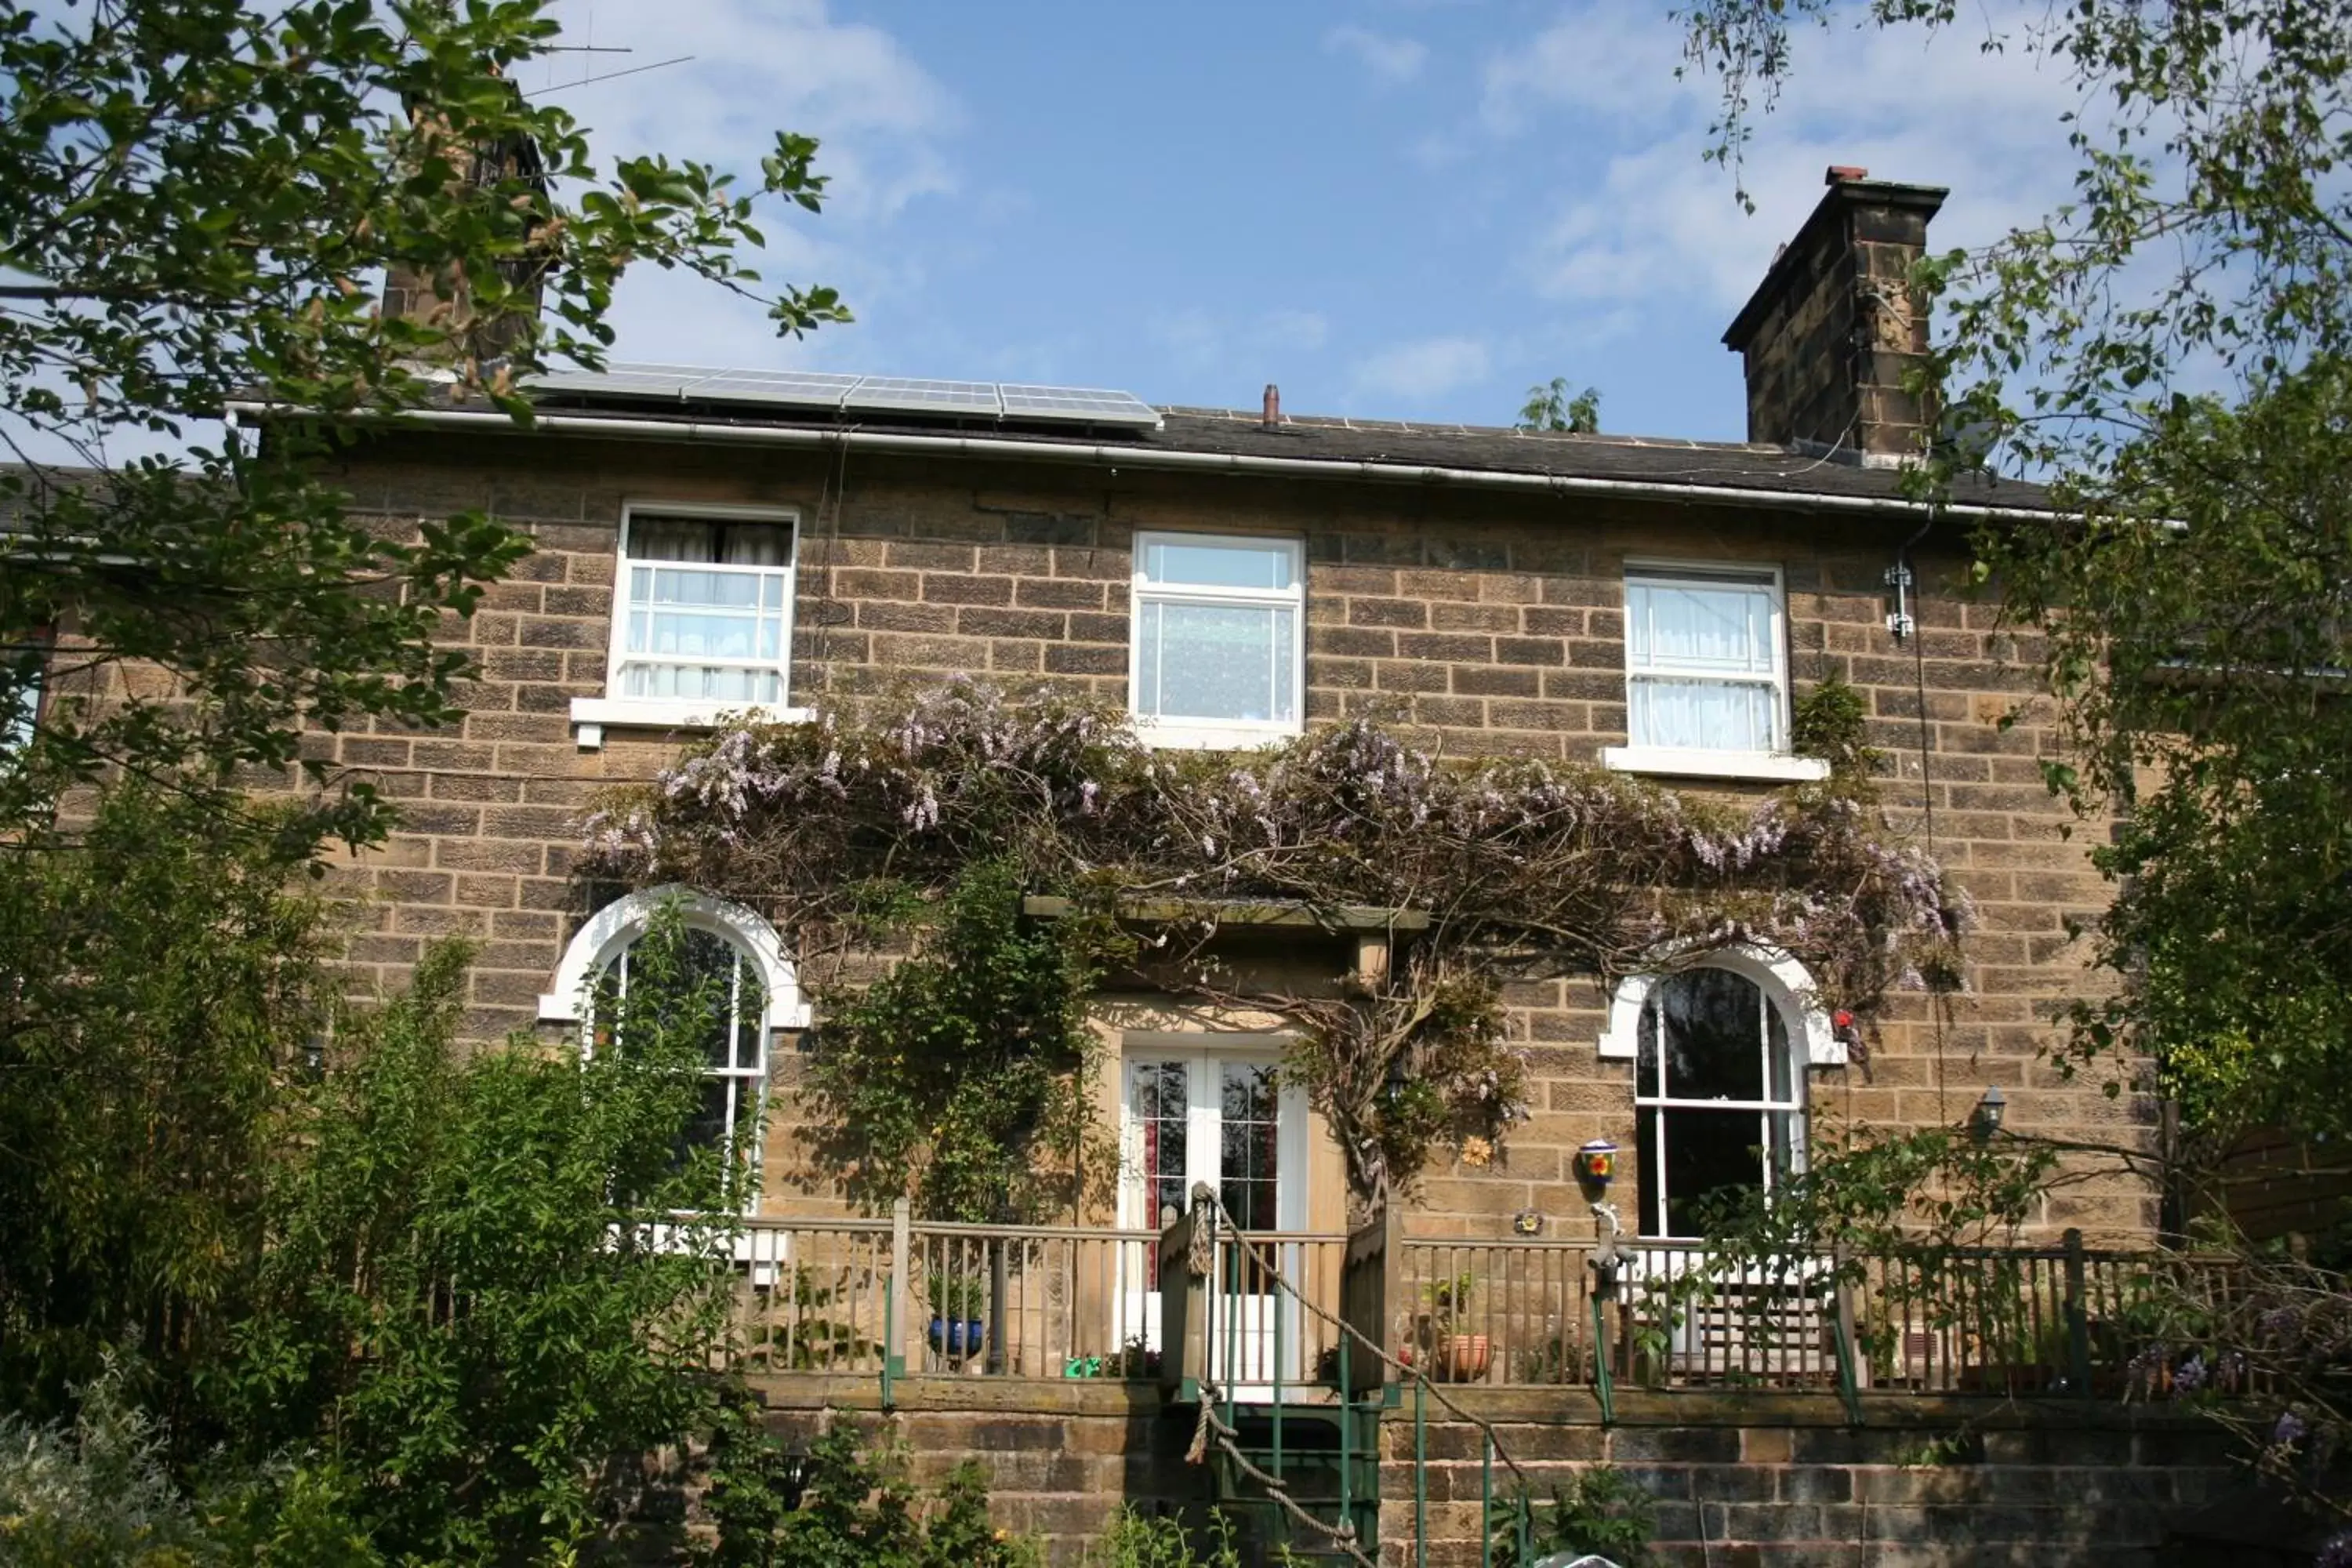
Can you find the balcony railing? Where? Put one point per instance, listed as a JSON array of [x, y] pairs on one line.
[[1252, 1312], [827, 1294]]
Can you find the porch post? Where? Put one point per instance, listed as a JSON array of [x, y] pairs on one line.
[[902, 1263]]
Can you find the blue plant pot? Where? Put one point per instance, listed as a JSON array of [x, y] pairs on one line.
[[957, 1338]]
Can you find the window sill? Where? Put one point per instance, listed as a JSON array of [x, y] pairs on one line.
[[1763, 767], [592, 716], [1165, 735]]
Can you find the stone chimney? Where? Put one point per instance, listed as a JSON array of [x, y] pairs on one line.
[[443, 298], [1829, 334]]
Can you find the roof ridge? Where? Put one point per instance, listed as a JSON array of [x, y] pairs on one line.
[[1457, 427]]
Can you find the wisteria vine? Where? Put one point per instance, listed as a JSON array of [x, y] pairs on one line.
[[1522, 868]]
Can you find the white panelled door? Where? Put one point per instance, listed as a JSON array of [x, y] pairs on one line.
[[1190, 1113]]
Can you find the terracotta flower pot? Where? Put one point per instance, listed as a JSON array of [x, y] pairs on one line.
[[1466, 1357]]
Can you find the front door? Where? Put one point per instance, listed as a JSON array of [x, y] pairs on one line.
[[1219, 1115]]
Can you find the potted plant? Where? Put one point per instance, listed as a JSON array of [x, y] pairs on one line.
[[958, 1301], [1453, 1356]]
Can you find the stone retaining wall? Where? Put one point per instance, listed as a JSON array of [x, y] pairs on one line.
[[1740, 1480]]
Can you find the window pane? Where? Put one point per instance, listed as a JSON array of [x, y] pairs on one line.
[[1160, 1101], [1215, 662], [1702, 715], [1650, 1167], [1707, 1151], [1246, 1160], [1710, 1026], [1778, 1064], [709, 987], [673, 539], [1218, 563], [713, 590], [702, 684], [1704, 626], [710, 539]]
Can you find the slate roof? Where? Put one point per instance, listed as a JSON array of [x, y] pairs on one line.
[[1735, 466]]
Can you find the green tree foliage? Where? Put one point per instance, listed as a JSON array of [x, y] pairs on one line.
[[964, 1077], [371, 1288], [487, 1291], [196, 202], [847, 1502], [1599, 1509], [1552, 408], [2173, 348], [157, 989]]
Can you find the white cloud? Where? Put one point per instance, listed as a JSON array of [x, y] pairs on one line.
[[1649, 220], [1389, 59], [759, 67], [1422, 368]]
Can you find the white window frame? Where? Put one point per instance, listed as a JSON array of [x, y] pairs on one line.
[[1218, 734], [591, 716], [1770, 995], [1205, 1055], [611, 931], [1777, 765]]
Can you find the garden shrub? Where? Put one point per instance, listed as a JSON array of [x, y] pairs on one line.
[[1599, 1508], [846, 1502]]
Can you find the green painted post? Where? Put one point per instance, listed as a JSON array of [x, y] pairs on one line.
[[1347, 1433], [2078, 1320], [889, 1335], [1419, 1467], [1486, 1504], [1275, 1304], [1846, 1387], [1233, 1331]]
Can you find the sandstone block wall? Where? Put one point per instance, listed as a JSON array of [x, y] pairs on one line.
[[1737, 1481], [1763, 1481], [1494, 623]]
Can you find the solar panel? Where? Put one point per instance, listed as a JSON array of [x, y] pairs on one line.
[[800, 388], [874, 394], [620, 380], [1089, 405], [972, 399]]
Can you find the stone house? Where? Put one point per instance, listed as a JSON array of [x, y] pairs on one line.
[[715, 541], [1647, 604]]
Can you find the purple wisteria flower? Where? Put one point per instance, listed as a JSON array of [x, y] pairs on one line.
[[2290, 1429], [2336, 1553]]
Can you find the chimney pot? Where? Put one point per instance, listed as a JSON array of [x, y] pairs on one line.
[[1845, 173], [1273, 414]]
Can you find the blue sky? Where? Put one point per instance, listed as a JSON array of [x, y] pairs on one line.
[[1393, 209]]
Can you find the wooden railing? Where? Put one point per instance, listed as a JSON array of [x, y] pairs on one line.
[[858, 1296], [1680, 1314], [892, 1297]]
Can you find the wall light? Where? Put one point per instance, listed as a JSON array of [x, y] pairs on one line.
[[1985, 1120]]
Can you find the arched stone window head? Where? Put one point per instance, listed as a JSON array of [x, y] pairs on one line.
[[1720, 1044], [728, 947]]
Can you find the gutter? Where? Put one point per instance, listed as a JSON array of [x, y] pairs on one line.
[[1097, 454]]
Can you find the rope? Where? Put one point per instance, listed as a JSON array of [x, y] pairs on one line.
[[1342, 1534], [1418, 1373]]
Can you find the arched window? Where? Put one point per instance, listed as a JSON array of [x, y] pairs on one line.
[[728, 948], [734, 1037], [1718, 1098], [1719, 1044]]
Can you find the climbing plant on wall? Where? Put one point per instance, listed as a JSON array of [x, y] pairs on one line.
[[1513, 869]]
